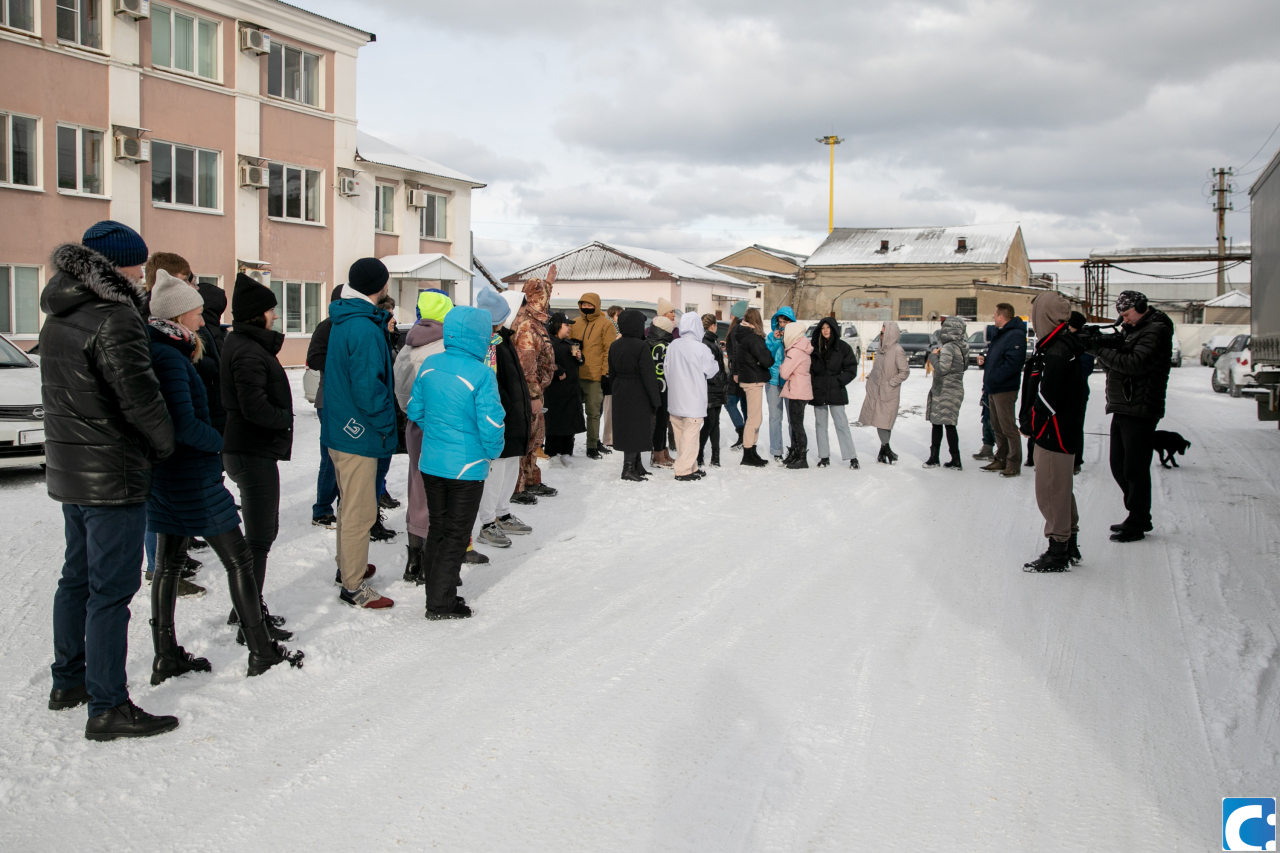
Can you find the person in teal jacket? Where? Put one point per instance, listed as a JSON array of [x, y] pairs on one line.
[[773, 390], [359, 421], [455, 401]]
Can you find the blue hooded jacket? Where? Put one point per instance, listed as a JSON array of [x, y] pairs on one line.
[[1006, 356], [776, 346], [359, 382], [455, 401]]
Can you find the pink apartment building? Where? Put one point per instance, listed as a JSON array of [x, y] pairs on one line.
[[223, 131]]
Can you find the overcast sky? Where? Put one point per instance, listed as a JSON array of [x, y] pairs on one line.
[[690, 126]]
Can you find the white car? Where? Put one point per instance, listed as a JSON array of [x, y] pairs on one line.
[[1234, 369], [21, 410]]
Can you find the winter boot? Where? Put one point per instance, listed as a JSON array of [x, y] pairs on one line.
[[172, 659], [715, 457], [380, 532], [853, 463], [127, 720], [413, 559], [882, 456], [756, 459], [639, 466], [629, 463], [932, 461], [255, 626], [954, 464], [1073, 549], [799, 460], [1055, 559], [995, 465], [737, 445], [893, 457], [824, 462], [987, 452]]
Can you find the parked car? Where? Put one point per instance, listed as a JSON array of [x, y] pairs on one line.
[[1234, 369], [1213, 349], [916, 345], [978, 344], [873, 347], [1176, 360], [21, 410]]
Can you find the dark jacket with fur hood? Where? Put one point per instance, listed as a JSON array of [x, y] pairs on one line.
[[105, 420]]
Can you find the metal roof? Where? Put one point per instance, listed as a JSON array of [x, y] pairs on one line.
[[610, 262], [759, 273], [782, 254], [985, 244], [1230, 299], [374, 150], [433, 265]]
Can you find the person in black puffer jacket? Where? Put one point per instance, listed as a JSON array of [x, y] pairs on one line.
[[717, 388], [1137, 363], [832, 367], [188, 497], [214, 337], [259, 433], [659, 337], [636, 393], [106, 425], [751, 363], [1001, 377]]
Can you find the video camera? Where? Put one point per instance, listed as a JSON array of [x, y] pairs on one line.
[[1095, 337]]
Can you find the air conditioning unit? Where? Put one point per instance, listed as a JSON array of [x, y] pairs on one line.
[[136, 9], [419, 198], [348, 187], [133, 149], [254, 177], [253, 41]]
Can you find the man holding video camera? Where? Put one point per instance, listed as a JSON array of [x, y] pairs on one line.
[[1137, 361]]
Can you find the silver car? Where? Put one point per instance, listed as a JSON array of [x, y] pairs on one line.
[[21, 410]]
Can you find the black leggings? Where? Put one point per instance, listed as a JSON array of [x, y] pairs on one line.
[[711, 430], [452, 506], [258, 479], [795, 414], [953, 441]]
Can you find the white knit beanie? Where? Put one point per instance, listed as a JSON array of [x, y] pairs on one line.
[[172, 297]]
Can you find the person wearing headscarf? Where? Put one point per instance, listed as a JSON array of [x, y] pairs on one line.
[[562, 400], [636, 394], [538, 360]]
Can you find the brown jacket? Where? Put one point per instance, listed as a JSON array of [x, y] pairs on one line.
[[533, 345], [596, 334], [890, 370]]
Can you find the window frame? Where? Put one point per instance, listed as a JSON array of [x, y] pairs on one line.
[[173, 203], [80, 131], [967, 316], [303, 55], [6, 158], [79, 12], [441, 200], [35, 19], [902, 315], [158, 9], [305, 187], [310, 294], [380, 210], [9, 285]]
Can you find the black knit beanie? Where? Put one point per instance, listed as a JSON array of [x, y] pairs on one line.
[[368, 276], [250, 299]]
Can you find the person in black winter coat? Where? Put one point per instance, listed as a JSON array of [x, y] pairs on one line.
[[214, 336], [1137, 362], [636, 393], [1002, 374], [659, 336], [717, 388], [106, 425], [750, 369], [259, 431], [188, 497], [832, 367], [1077, 322], [562, 399], [326, 479]]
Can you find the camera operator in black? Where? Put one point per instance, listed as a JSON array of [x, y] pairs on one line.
[[1137, 361]]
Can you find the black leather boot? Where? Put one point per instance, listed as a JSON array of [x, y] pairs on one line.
[[170, 658], [413, 559], [629, 462], [264, 652], [1073, 548], [1055, 559], [737, 445]]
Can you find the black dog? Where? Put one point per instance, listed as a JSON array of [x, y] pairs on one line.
[[1166, 444]]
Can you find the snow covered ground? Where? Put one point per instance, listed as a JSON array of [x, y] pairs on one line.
[[765, 660]]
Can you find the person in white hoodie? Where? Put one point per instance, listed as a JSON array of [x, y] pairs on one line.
[[689, 365]]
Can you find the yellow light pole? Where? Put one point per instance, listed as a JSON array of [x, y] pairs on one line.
[[831, 142]]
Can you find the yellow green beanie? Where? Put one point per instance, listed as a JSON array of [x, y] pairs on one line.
[[433, 305]]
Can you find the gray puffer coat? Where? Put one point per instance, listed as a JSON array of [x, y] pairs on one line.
[[949, 364]]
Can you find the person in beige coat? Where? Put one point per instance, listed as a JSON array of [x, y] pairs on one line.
[[880, 406]]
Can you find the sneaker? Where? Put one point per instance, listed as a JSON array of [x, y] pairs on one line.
[[777, 458], [380, 532], [127, 720], [987, 452], [366, 597], [541, 490], [72, 697], [995, 466], [510, 524], [1011, 472], [688, 478], [824, 462], [370, 571], [524, 498], [326, 521], [458, 611], [189, 589], [491, 534], [388, 502]]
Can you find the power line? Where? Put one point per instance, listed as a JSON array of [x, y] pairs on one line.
[[1264, 145], [1181, 276]]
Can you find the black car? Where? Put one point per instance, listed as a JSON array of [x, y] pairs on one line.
[[978, 344], [917, 346]]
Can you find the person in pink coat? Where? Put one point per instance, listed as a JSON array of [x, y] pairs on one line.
[[797, 388]]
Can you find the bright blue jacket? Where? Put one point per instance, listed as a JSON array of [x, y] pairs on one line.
[[455, 401], [776, 347], [359, 392], [1006, 356]]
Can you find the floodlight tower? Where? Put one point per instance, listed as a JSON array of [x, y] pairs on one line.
[[831, 142]]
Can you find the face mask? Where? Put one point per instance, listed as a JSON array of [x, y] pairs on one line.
[[588, 311]]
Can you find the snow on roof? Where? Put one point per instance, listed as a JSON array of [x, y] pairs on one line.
[[753, 271], [985, 244], [782, 254], [599, 261], [1230, 299], [374, 150]]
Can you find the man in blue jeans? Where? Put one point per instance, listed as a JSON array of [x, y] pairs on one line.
[[773, 390], [105, 425]]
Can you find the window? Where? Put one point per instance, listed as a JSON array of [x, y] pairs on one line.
[[80, 22], [18, 150], [80, 160], [297, 306], [384, 210], [433, 219], [184, 42], [690, 308], [184, 176], [19, 300], [19, 14], [967, 307], [294, 193], [293, 74], [910, 309]]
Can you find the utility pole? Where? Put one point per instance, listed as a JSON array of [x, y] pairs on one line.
[[1220, 206], [831, 142]]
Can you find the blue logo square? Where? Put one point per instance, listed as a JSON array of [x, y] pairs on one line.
[[1248, 823]]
